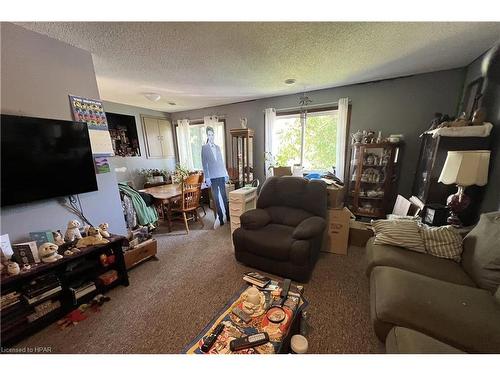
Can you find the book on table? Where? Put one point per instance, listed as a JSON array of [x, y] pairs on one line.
[[256, 279]]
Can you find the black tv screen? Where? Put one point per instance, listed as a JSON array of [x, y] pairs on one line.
[[43, 158]]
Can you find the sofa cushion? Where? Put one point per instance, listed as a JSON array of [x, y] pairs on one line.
[[464, 317], [402, 340], [402, 233], [442, 242], [273, 241], [424, 264], [481, 254]]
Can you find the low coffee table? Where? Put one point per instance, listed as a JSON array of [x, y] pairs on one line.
[[279, 333]]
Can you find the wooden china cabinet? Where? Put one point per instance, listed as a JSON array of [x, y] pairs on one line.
[[241, 172], [373, 172]]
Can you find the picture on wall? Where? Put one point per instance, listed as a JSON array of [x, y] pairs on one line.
[[101, 164], [89, 111]]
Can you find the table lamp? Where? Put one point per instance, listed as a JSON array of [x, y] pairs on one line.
[[463, 168]]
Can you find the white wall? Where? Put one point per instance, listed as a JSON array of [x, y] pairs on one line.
[[37, 75]]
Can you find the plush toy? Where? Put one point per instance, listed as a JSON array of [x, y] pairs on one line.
[[73, 232], [48, 252], [26, 267], [478, 117], [94, 238], [459, 122], [103, 229], [58, 238], [13, 268]]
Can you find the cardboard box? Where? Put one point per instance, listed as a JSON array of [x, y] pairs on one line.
[[359, 233], [335, 194], [336, 237]]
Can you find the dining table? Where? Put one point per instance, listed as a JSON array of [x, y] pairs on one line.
[[163, 196]]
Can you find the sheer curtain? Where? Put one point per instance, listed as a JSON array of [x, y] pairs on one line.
[[341, 136], [184, 140], [269, 120]]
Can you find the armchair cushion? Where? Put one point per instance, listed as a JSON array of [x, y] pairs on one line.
[[309, 228], [287, 215], [255, 219]]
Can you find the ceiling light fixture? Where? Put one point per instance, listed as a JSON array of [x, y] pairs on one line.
[[290, 81], [154, 97], [171, 103]]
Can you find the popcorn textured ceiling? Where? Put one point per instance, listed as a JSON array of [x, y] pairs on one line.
[[210, 63]]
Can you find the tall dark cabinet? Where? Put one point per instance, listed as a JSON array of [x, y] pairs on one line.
[[433, 152]]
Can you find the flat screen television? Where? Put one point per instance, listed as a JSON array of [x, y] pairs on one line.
[[44, 158]]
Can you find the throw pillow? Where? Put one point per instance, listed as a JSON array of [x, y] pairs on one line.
[[481, 256], [402, 233], [442, 242]]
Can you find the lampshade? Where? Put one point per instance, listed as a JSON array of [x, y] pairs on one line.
[[466, 168]]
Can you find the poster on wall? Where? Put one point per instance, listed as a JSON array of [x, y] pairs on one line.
[[89, 111], [92, 113]]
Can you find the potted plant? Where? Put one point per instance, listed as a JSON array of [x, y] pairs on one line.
[[148, 174], [179, 174]]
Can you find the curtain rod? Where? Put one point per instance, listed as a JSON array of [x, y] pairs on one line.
[[308, 106], [201, 119]]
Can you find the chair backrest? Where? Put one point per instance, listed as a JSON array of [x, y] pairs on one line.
[[294, 192], [191, 192]]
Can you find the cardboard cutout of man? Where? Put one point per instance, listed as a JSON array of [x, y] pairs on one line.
[[216, 174]]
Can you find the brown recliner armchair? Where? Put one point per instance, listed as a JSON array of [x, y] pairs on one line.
[[283, 234]]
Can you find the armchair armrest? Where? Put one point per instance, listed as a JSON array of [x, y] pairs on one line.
[[309, 228], [255, 219]]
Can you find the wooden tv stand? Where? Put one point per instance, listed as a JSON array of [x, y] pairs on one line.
[[82, 267]]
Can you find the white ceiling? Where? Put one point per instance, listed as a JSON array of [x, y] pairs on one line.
[[209, 63]]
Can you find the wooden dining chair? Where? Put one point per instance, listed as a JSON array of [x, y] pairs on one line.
[[189, 200], [202, 178]]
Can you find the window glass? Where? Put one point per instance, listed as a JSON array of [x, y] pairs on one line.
[[287, 133], [198, 137], [320, 143]]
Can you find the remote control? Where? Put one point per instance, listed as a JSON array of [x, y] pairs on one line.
[[249, 341], [241, 314], [284, 290], [210, 340]]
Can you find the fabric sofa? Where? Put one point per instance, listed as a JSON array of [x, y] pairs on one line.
[[451, 302], [283, 234]]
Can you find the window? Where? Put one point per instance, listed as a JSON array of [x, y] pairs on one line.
[[307, 139], [198, 137]]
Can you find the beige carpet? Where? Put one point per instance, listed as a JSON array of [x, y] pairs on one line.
[[169, 301]]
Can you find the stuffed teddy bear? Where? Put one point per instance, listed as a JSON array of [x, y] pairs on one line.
[[103, 229], [94, 238], [13, 268], [48, 252], [73, 232]]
